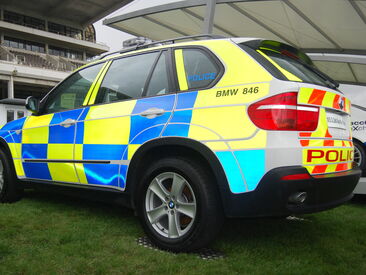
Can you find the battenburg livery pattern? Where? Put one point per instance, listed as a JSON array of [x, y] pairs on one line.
[[100, 141]]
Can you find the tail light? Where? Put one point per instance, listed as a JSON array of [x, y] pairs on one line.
[[281, 112]]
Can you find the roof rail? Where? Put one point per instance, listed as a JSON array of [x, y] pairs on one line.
[[167, 41]]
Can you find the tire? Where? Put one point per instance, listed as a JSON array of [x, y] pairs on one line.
[[360, 156], [10, 190], [178, 205]]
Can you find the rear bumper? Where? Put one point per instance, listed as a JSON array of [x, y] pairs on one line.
[[271, 197]]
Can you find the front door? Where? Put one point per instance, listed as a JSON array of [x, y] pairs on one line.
[[48, 139]]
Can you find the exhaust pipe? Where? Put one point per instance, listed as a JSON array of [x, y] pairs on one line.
[[298, 197]]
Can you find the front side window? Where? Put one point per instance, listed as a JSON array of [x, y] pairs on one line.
[[71, 93], [126, 78], [200, 69]]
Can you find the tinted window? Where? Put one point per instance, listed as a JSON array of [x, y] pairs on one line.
[[126, 78], [71, 93], [297, 68], [159, 82], [20, 114], [9, 115], [201, 71]]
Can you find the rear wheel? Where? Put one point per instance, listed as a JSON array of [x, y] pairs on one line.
[[10, 190], [360, 156], [179, 206]]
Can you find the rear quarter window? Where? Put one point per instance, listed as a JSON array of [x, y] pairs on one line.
[[200, 68]]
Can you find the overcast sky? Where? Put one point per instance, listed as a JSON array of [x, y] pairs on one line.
[[114, 38]]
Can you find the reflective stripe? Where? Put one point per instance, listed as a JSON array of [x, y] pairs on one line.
[[98, 83], [289, 75], [91, 89], [181, 72], [324, 98]]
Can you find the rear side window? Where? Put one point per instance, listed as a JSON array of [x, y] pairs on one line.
[[199, 67], [126, 78]]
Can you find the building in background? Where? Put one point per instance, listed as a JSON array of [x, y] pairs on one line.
[[41, 42]]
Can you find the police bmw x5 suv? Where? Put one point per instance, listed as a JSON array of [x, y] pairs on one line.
[[189, 133]]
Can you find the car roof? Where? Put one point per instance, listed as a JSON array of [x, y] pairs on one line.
[[157, 45]]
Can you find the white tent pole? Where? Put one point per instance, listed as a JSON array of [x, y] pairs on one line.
[[209, 16]]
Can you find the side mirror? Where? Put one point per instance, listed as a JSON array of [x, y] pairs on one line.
[[32, 104]]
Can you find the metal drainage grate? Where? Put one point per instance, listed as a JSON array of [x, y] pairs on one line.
[[204, 253], [294, 218]]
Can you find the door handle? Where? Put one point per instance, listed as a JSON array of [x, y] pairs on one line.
[[68, 122], [152, 113]]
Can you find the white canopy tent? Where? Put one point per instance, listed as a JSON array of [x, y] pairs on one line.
[[333, 32]]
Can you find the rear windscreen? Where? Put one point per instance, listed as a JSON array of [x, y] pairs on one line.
[[292, 63], [293, 66]]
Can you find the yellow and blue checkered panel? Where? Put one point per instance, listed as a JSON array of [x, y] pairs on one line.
[[12, 134], [44, 138], [98, 137]]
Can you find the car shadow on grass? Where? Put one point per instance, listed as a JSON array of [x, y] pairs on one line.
[[359, 200], [78, 200]]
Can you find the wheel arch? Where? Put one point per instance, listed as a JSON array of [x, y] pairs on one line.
[[175, 146], [359, 141], [4, 145]]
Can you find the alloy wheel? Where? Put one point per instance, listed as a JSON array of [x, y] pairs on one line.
[[170, 205]]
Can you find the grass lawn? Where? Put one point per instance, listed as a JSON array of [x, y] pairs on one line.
[[53, 234]]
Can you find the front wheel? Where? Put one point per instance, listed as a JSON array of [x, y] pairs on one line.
[[179, 206]]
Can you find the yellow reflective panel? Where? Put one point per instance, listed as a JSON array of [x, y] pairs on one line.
[[328, 99], [37, 121], [78, 153], [60, 151], [232, 95], [107, 131], [39, 134], [240, 68], [285, 72], [111, 110], [15, 149], [322, 129], [229, 122], [201, 133], [181, 72], [258, 141], [64, 172], [132, 148], [81, 173], [18, 167], [217, 146], [304, 95]]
